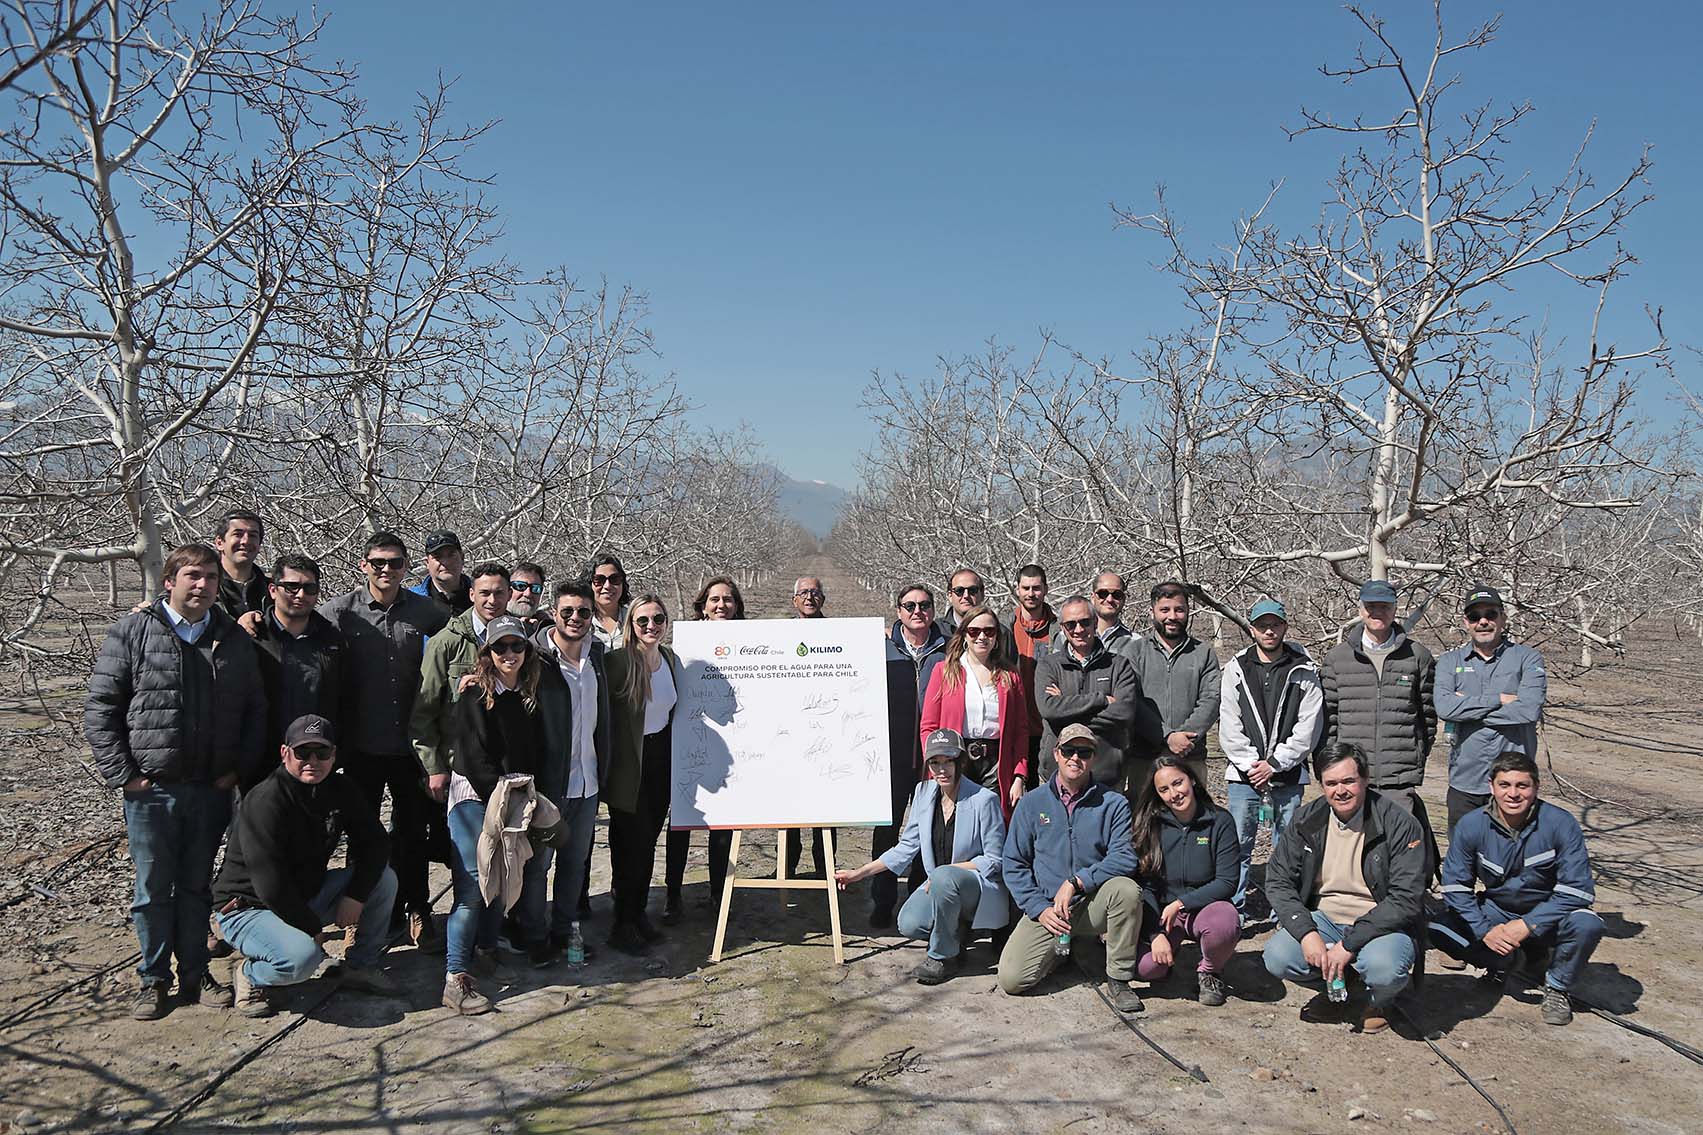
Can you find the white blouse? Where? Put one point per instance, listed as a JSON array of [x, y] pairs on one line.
[[981, 708], [662, 698]]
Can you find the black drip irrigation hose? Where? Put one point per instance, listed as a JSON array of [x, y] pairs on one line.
[[1192, 1069], [46, 999], [1685, 1050], [1459, 1071]]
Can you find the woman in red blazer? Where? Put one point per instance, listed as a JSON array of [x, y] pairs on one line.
[[978, 691]]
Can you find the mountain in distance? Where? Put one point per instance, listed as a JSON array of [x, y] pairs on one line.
[[814, 505]]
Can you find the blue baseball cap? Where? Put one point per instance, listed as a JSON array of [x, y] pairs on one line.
[[1267, 607], [1377, 591]]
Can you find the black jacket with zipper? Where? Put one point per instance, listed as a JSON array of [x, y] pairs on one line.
[[1202, 861]]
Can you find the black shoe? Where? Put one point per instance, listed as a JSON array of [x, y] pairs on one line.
[[209, 991], [647, 929], [626, 938], [933, 971], [672, 908], [881, 917], [1124, 999], [152, 1002], [543, 954], [1210, 989]]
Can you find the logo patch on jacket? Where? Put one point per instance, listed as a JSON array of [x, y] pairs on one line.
[[1413, 845], [1046, 819], [1203, 840]]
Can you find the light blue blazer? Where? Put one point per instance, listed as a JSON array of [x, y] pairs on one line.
[[978, 837]]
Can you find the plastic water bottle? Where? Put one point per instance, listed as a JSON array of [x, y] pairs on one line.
[[576, 947], [1061, 945], [1268, 811], [1337, 990]]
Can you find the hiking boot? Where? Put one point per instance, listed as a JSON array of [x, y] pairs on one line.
[[250, 998], [647, 930], [208, 991], [673, 907], [933, 971], [151, 1002], [1557, 1006], [364, 979], [1211, 989], [460, 994], [1124, 999], [1373, 1019], [424, 933], [626, 938]]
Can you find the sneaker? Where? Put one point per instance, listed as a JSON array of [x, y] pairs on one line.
[[626, 938], [1124, 999], [881, 917], [364, 979], [423, 931], [1372, 1019], [460, 994], [1211, 989], [151, 1003], [647, 930], [250, 998], [543, 954], [673, 908], [209, 991], [1557, 1006], [933, 971]]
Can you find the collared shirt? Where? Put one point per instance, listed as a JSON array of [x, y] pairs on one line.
[[479, 626], [1067, 798], [386, 645], [582, 695], [1468, 693], [981, 707], [189, 632]]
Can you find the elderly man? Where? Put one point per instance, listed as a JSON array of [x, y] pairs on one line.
[[1490, 694], [275, 893], [1530, 857], [1180, 686], [445, 584], [526, 596], [1069, 864], [808, 598], [1347, 884], [1085, 684]]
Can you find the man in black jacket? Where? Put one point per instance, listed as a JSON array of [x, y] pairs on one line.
[[1086, 684], [303, 661], [274, 893], [242, 585], [1347, 884], [175, 709]]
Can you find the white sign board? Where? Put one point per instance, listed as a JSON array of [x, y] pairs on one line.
[[781, 723]]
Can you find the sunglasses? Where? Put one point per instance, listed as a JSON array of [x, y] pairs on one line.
[[650, 620], [1077, 624], [981, 632], [294, 587], [1110, 593], [508, 646], [386, 563], [1076, 753], [913, 606], [607, 580], [312, 753], [574, 613], [966, 592], [535, 588], [1483, 616]]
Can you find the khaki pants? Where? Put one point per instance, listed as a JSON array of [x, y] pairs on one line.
[[1114, 910]]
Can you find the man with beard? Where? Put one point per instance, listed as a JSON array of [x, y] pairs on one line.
[[526, 596], [1180, 685]]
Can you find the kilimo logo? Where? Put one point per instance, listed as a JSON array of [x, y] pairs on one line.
[[804, 650]]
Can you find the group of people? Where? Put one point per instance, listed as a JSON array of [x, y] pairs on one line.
[[1048, 779]]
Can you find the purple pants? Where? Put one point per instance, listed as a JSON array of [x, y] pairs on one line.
[[1215, 927]]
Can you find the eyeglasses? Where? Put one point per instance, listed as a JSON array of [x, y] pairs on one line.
[[574, 613], [607, 580], [807, 593], [1077, 624], [1110, 593], [650, 620], [966, 592], [296, 587], [915, 605], [312, 753], [386, 563], [1076, 753], [508, 646], [535, 588], [981, 632]]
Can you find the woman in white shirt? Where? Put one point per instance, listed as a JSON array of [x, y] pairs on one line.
[[978, 690]]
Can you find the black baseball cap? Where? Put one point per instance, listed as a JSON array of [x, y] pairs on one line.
[[441, 539], [310, 729], [1479, 595]]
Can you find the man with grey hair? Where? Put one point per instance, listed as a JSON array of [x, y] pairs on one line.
[[808, 598]]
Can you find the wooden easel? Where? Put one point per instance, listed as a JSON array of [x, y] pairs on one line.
[[782, 883]]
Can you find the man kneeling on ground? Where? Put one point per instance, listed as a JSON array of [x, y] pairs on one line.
[[1070, 865], [1537, 894], [1347, 883], [274, 895]]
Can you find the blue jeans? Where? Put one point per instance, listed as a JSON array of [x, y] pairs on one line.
[[580, 817], [281, 954], [1385, 963], [1573, 939], [942, 912], [174, 832], [1243, 802], [471, 921]]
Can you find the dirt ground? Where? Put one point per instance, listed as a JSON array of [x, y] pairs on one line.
[[777, 1037]]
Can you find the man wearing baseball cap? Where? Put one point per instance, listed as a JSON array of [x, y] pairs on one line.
[[1490, 694], [445, 583], [1269, 719], [274, 895], [1070, 864]]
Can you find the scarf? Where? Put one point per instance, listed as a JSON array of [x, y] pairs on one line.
[[1026, 631]]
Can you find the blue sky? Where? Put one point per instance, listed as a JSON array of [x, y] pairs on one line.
[[809, 193]]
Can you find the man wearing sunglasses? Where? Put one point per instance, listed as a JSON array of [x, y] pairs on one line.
[[1490, 694], [965, 590], [275, 894], [1069, 864], [1108, 599], [526, 596], [303, 660], [386, 628], [1086, 684]]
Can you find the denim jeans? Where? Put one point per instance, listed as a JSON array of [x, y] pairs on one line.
[[1573, 939], [174, 832], [580, 817], [472, 922], [281, 954], [943, 911], [1385, 963], [1243, 802]]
